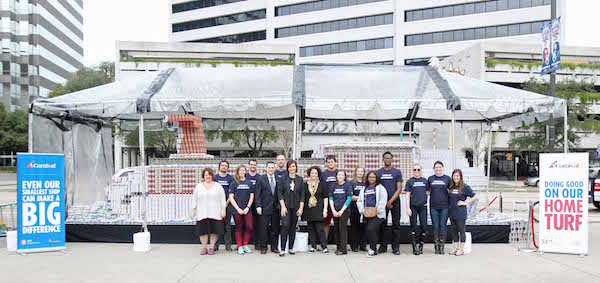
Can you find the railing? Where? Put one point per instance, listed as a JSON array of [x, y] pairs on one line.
[[8, 218]]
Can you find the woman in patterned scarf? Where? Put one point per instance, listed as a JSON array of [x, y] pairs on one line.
[[315, 208]]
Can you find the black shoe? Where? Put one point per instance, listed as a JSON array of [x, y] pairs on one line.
[[363, 248], [355, 250], [275, 251], [262, 252], [413, 242], [382, 250], [396, 252], [338, 252], [421, 243], [228, 248], [437, 248], [442, 244]]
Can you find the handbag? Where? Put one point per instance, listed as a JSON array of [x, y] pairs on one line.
[[370, 211]]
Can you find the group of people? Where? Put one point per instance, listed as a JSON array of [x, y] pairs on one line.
[[273, 202]]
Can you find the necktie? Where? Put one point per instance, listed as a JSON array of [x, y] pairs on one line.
[[272, 183]]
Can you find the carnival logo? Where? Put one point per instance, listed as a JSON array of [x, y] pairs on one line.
[[32, 164], [555, 164]]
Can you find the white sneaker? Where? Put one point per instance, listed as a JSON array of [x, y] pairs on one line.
[[312, 250], [325, 251], [371, 253]]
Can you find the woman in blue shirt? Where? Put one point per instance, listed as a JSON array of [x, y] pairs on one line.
[[357, 229], [241, 196], [416, 204], [340, 196], [459, 192], [438, 204], [374, 195]]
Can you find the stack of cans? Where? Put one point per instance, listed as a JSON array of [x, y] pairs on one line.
[[370, 156]]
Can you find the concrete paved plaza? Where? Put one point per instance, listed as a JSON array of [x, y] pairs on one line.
[[104, 262]]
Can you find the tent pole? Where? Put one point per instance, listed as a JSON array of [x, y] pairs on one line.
[[566, 128], [294, 144], [489, 166], [143, 168], [452, 125], [29, 134]]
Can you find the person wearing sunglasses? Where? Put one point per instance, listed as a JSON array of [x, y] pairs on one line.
[[416, 204]]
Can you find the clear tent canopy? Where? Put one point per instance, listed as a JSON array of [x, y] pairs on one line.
[[282, 93]]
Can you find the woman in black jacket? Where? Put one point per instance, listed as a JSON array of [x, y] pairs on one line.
[[290, 192], [315, 208]]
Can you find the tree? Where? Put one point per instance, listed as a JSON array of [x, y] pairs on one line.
[[579, 96], [165, 141], [13, 130], [85, 78], [255, 140], [285, 142], [478, 141], [367, 131]]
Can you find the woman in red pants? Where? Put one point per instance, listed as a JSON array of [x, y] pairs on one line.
[[241, 196]]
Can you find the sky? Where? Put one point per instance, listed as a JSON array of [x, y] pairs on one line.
[[106, 21]]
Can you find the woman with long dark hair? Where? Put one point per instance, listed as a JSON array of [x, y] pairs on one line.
[[315, 208], [371, 204], [290, 191], [438, 205], [459, 192], [340, 196]]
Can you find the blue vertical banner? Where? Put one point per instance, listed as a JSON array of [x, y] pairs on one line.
[[546, 47], [40, 202], [555, 45]]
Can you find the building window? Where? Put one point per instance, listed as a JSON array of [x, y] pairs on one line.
[[194, 5], [218, 21], [471, 8], [236, 38], [380, 63], [345, 47], [318, 6], [474, 33], [420, 61], [335, 25]]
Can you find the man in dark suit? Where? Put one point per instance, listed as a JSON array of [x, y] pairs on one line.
[[267, 207]]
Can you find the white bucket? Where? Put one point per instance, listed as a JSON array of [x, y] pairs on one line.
[[141, 242], [301, 242], [468, 245], [11, 241]]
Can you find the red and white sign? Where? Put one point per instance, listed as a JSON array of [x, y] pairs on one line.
[[564, 203]]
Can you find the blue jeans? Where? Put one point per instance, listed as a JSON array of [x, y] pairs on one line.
[[439, 218]]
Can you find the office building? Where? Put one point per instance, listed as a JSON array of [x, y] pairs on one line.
[[42, 45]]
